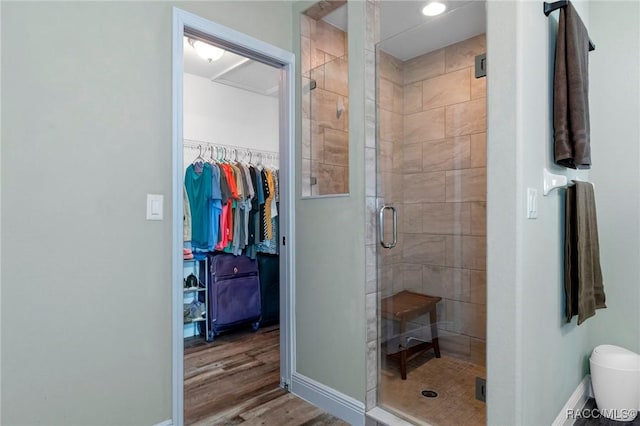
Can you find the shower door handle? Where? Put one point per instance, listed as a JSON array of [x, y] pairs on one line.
[[381, 226]]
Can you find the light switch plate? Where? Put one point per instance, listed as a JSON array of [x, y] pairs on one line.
[[155, 206]]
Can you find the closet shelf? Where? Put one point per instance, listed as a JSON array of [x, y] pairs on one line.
[[196, 291]]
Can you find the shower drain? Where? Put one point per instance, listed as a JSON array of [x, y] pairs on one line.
[[429, 393]]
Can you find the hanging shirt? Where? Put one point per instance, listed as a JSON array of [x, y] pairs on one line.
[[224, 234], [225, 191], [248, 182], [186, 216], [226, 221], [265, 209], [216, 192], [197, 182], [276, 177], [215, 207], [274, 185], [231, 181], [246, 209], [235, 240], [260, 183], [270, 243], [254, 213], [268, 206]]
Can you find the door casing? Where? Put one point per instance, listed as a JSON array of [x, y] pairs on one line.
[[261, 51]]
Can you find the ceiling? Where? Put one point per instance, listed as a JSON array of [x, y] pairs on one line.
[[233, 70], [405, 33]]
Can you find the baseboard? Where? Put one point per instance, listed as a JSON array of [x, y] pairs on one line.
[[576, 401], [165, 423], [330, 400]]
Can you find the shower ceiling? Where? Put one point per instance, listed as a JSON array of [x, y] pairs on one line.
[[406, 33], [233, 70]]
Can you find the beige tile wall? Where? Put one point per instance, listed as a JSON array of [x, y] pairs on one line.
[[385, 153], [391, 104], [432, 130], [325, 138]]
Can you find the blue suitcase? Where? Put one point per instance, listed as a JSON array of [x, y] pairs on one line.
[[234, 293]]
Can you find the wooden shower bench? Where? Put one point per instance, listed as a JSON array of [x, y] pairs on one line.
[[404, 307]]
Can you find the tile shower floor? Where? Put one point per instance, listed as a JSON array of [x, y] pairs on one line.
[[454, 381]]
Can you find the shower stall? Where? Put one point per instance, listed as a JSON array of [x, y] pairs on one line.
[[431, 195]]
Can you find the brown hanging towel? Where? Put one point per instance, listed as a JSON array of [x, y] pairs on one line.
[[571, 92], [583, 285]]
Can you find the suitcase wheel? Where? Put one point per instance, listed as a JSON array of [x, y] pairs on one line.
[[255, 326]]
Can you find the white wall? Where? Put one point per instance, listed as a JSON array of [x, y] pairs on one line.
[[615, 135], [535, 360], [86, 287], [227, 115]]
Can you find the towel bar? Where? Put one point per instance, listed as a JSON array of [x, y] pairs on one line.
[[550, 7], [552, 181]]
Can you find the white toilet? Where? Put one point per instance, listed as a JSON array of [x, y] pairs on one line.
[[615, 378]]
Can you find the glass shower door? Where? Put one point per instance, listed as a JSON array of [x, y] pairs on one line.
[[431, 188]]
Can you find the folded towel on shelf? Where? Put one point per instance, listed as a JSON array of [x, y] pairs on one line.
[[583, 284], [571, 92]]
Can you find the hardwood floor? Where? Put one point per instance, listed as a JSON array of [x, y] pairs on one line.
[[235, 380]]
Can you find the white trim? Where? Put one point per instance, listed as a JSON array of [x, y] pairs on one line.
[[321, 197], [177, 403], [286, 62], [287, 218], [576, 401], [386, 418], [165, 423], [336, 403]]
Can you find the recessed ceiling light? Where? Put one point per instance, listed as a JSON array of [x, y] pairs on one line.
[[206, 51], [434, 8]]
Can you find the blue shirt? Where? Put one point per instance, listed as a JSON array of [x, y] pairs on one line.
[[216, 194], [197, 181]]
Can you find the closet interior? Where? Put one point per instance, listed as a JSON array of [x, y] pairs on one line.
[[231, 230]]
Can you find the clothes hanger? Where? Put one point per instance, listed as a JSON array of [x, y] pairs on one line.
[[272, 161], [199, 157], [211, 157]]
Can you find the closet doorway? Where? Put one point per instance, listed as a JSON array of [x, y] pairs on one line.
[[233, 227]]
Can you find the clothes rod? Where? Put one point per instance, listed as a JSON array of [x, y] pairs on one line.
[[550, 7], [194, 144]]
